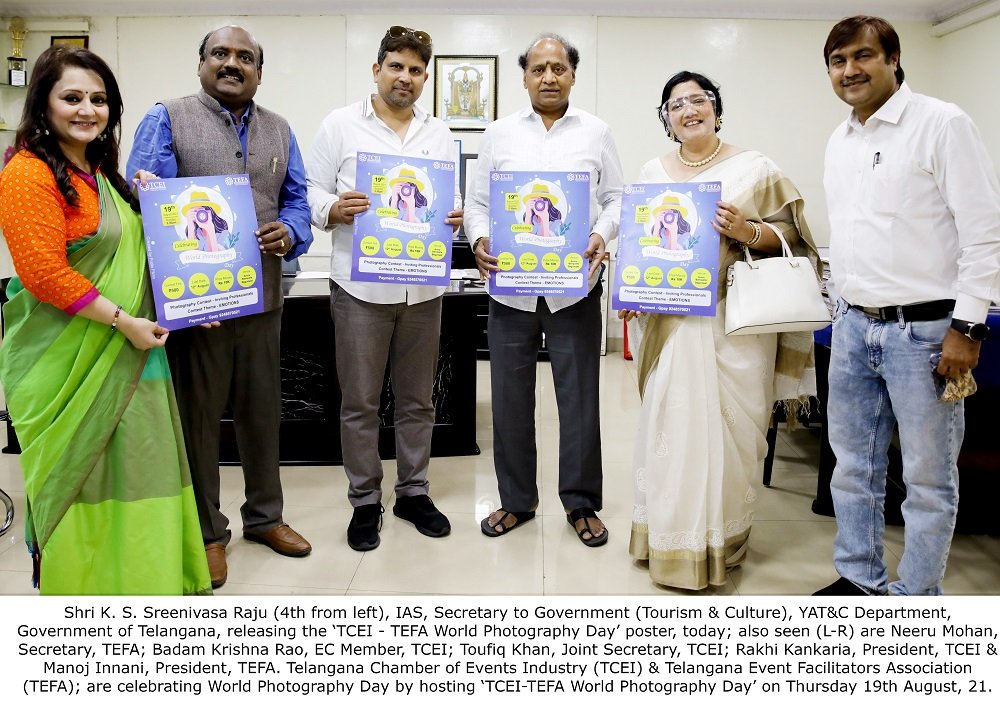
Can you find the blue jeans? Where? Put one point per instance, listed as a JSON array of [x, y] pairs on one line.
[[880, 378]]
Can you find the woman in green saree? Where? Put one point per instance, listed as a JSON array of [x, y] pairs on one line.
[[110, 506]]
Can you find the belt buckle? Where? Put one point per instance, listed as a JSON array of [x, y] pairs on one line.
[[871, 312]]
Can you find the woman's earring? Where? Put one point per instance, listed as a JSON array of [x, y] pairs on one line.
[[670, 135], [718, 122]]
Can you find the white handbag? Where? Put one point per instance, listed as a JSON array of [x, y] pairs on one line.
[[774, 294]]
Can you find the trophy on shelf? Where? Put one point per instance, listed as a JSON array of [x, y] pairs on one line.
[[17, 74]]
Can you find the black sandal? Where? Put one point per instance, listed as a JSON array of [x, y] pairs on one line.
[[519, 518], [594, 541]]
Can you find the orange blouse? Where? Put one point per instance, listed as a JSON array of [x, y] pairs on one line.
[[38, 223]]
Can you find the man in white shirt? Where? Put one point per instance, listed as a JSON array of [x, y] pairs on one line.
[[376, 322], [548, 135], [914, 208]]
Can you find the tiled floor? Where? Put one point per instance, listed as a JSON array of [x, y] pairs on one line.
[[790, 547]]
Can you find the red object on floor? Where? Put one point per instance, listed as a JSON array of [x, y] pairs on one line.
[[627, 353]]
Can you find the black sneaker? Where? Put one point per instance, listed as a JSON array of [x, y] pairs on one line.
[[362, 531], [422, 513], [843, 587]]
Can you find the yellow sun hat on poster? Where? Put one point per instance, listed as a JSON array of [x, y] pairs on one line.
[[406, 175], [199, 198], [671, 202], [539, 190]]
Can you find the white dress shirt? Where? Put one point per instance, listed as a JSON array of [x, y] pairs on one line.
[[576, 142], [331, 172], [914, 206]]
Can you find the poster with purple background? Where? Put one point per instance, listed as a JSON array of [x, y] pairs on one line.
[[403, 237], [668, 251], [204, 261], [539, 230]]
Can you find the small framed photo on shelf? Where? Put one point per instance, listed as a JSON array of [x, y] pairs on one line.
[[465, 91], [72, 40]]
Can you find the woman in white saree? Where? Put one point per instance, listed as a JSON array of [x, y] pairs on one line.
[[707, 397]]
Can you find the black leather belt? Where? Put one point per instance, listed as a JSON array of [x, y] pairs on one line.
[[927, 311]]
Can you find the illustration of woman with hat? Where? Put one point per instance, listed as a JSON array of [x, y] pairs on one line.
[[203, 221], [540, 210], [407, 195], [669, 221]]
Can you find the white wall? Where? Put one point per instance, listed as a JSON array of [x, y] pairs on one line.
[[313, 65], [968, 77], [776, 92], [303, 75], [776, 95]]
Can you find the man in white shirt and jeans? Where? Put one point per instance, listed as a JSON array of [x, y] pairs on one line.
[[548, 135], [378, 322], [914, 207]]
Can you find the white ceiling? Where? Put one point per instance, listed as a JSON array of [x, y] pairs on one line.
[[894, 10]]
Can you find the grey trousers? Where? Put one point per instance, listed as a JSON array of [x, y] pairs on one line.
[[368, 335], [573, 337], [239, 363]]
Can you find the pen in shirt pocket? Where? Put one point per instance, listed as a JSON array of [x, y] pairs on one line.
[[876, 159], [274, 164]]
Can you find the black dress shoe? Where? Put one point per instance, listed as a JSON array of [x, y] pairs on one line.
[[362, 531], [422, 513], [842, 587]]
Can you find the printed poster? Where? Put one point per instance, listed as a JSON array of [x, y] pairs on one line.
[[668, 251], [539, 230], [204, 260], [403, 238]]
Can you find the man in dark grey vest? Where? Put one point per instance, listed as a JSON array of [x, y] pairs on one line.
[[220, 131]]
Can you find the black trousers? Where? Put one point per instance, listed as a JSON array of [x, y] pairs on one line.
[[573, 337], [237, 363]]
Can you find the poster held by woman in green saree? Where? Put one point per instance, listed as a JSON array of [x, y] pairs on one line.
[[109, 499]]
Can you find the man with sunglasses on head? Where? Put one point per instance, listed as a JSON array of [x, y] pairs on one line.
[[375, 323], [548, 135], [221, 131]]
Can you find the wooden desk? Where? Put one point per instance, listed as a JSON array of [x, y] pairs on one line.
[[310, 392]]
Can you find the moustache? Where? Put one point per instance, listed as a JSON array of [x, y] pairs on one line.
[[229, 73], [856, 80]]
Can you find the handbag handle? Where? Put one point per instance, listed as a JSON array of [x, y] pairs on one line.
[[785, 249]]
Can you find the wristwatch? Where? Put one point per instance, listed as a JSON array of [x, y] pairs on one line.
[[974, 331]]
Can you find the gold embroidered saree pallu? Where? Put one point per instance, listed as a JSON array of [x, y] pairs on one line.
[[110, 504], [706, 402]]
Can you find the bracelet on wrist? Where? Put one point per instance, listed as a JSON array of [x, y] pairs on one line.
[[475, 245], [756, 234], [114, 321]]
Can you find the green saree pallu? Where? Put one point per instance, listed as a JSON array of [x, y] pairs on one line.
[[110, 505]]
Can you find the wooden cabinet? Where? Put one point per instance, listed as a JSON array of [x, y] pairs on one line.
[[310, 392]]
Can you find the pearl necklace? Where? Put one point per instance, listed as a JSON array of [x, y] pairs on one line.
[[698, 164]]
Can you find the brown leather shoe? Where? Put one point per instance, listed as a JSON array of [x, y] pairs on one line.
[[216, 554], [282, 539]]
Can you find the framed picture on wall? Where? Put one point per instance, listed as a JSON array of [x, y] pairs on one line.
[[465, 91], [73, 40]]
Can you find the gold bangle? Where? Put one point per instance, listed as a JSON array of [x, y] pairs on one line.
[[756, 234]]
